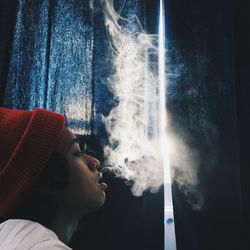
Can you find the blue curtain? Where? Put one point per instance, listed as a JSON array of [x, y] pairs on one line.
[[60, 59]]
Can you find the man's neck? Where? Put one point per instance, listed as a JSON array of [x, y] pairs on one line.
[[64, 226]]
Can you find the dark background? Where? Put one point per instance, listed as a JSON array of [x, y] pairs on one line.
[[209, 41], [241, 69]]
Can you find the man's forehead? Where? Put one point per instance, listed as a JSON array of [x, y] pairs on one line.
[[65, 140]]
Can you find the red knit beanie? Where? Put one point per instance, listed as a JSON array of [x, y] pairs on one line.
[[27, 140]]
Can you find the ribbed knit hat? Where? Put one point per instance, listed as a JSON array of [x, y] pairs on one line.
[[27, 140]]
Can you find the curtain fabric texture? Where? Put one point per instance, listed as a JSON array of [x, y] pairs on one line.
[[59, 59]]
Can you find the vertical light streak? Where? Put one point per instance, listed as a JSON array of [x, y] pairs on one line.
[[169, 227]]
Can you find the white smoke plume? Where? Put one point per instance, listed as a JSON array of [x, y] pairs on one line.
[[132, 154], [133, 150]]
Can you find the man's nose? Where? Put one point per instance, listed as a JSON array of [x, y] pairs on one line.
[[92, 162]]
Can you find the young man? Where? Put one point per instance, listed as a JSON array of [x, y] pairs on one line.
[[47, 182]]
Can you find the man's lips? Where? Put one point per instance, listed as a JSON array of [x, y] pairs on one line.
[[103, 185]]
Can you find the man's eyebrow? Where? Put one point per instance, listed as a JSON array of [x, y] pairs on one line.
[[75, 140]]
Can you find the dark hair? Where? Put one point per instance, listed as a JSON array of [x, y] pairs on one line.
[[41, 202]]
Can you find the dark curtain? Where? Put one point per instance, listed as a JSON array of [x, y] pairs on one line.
[[242, 90], [53, 54]]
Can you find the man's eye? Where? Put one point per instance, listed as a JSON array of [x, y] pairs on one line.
[[80, 153]]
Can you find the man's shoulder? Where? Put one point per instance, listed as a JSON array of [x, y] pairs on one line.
[[25, 234], [26, 228]]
